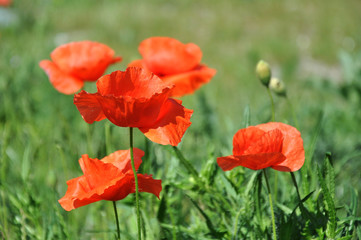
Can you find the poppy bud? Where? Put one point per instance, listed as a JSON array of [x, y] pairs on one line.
[[277, 86], [263, 72]]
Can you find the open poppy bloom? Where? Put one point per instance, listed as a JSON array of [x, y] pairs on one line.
[[136, 98], [174, 62], [76, 62], [273, 144], [110, 178]]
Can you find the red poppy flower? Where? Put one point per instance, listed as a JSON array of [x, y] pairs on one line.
[[109, 179], [275, 145], [76, 62], [174, 62], [136, 98], [5, 3]]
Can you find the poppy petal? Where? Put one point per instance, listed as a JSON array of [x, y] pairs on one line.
[[123, 186], [268, 143], [86, 60], [243, 139], [292, 146], [61, 81], [172, 122], [77, 188], [120, 159], [164, 55], [89, 107], [133, 82], [137, 63], [149, 185], [254, 161], [106, 180], [126, 185], [93, 170], [130, 112], [188, 82]]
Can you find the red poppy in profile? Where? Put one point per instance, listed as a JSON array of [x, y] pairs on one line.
[[275, 145], [76, 62], [136, 98], [174, 62], [110, 178]]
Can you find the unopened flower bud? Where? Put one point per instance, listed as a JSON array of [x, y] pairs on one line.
[[277, 86], [263, 72]]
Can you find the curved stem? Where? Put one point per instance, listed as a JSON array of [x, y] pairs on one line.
[[136, 182], [116, 219], [272, 104], [187, 164], [295, 183], [271, 205]]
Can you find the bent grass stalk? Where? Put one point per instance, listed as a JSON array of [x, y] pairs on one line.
[[271, 206], [272, 104], [136, 182], [188, 165]]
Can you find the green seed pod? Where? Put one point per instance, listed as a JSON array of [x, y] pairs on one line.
[[263, 72], [277, 86]]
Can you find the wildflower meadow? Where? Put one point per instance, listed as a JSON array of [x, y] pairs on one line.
[[180, 119]]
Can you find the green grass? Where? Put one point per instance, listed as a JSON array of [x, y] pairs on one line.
[[42, 135]]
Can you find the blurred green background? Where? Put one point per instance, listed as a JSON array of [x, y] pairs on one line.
[[313, 46]]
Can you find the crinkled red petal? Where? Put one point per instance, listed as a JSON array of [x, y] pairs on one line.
[[89, 107], [172, 122], [243, 139], [292, 146], [120, 159], [107, 180], [254, 161], [134, 82]]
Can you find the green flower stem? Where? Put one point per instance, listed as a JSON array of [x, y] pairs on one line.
[[295, 183], [272, 104], [89, 139], [187, 164], [136, 182], [108, 148], [116, 219], [271, 205]]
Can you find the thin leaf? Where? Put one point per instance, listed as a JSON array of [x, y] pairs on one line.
[[210, 226], [331, 223], [247, 116]]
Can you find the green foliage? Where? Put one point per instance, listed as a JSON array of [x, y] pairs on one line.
[[42, 135]]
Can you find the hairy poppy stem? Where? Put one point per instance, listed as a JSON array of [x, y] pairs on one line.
[[136, 182], [187, 164], [88, 138], [271, 205], [108, 148], [295, 183], [272, 104], [116, 219]]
